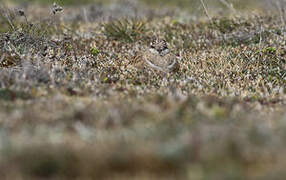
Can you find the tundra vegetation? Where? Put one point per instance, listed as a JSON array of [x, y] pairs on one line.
[[73, 104]]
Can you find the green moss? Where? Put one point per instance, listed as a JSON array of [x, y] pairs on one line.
[[270, 50], [94, 51]]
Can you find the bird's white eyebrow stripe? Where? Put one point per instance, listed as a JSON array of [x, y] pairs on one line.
[[154, 51]]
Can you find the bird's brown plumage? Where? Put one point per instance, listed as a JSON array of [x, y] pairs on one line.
[[159, 57]]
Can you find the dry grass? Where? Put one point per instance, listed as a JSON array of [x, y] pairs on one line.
[[74, 105]]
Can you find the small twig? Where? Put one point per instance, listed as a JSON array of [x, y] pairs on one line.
[[6, 13], [2, 57], [260, 39], [280, 9], [205, 9], [15, 50], [229, 5], [74, 52], [85, 17], [10, 22]]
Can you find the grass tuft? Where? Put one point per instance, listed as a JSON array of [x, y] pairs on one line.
[[128, 30]]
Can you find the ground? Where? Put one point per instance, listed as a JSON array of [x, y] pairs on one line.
[[74, 105]]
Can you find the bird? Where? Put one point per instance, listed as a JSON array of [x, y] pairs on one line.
[[158, 56]]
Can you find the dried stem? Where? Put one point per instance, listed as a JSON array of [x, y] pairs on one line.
[[205, 9]]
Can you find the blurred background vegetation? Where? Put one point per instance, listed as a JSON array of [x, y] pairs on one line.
[[185, 4]]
